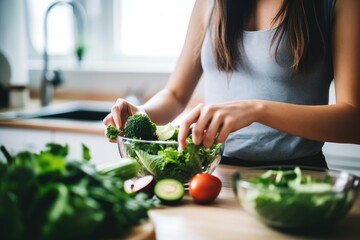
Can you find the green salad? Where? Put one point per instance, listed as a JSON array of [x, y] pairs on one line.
[[291, 199], [158, 155], [164, 160]]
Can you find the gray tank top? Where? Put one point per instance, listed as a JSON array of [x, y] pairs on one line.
[[259, 76]]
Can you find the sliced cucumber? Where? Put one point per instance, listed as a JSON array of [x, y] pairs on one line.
[[312, 187], [125, 168], [169, 190]]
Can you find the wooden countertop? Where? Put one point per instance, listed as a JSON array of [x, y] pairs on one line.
[[225, 219], [90, 127], [56, 125]]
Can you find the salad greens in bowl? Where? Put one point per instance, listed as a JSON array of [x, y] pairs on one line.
[[296, 198], [162, 159], [155, 148]]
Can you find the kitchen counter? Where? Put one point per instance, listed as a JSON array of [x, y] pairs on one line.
[[90, 127], [56, 125], [74, 123], [225, 219]]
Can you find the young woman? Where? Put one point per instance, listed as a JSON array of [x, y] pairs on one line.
[[267, 67]]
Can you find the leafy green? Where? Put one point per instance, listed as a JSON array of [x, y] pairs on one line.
[[44, 195], [139, 126], [86, 152], [152, 163], [7, 155], [80, 50], [287, 198], [10, 217]]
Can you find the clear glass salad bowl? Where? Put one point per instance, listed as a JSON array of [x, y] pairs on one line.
[[294, 198], [162, 159]]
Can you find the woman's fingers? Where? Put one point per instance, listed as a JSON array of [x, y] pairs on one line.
[[112, 140], [108, 120], [211, 123], [119, 114], [223, 133], [117, 111], [213, 129], [190, 118], [202, 123], [219, 128]]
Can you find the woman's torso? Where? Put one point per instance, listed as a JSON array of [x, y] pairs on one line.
[[259, 76]]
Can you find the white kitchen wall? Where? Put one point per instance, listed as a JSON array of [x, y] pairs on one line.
[[106, 82], [113, 80], [13, 43]]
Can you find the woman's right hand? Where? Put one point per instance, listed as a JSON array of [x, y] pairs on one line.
[[120, 112]]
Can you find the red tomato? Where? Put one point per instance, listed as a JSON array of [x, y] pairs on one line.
[[204, 188]]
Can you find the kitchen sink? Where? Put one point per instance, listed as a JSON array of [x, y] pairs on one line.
[[76, 110], [79, 115]]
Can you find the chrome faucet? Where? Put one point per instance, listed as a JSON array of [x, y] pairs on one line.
[[51, 79]]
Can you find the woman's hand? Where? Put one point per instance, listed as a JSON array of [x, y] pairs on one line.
[[214, 122], [120, 112]]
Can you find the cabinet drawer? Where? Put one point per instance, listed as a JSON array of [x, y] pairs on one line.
[[19, 139]]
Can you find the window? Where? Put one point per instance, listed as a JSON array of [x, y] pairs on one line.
[[151, 28], [60, 27], [118, 31]]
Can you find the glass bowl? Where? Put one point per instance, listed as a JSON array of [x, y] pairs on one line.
[[162, 159], [300, 206]]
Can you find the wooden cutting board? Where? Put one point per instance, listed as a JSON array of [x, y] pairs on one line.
[[145, 231]]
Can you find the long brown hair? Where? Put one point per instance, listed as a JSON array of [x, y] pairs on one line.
[[301, 26]]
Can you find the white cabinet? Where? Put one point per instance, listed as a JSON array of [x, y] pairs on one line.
[[343, 156], [18, 139], [101, 149]]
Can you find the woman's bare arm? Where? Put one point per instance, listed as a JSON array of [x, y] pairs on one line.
[[333, 123], [170, 102]]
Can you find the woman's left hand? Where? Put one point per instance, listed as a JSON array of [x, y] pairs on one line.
[[214, 122]]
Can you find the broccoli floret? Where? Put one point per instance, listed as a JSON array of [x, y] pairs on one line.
[[112, 132], [140, 126]]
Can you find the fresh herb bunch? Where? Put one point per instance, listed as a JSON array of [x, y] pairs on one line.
[[47, 196]]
